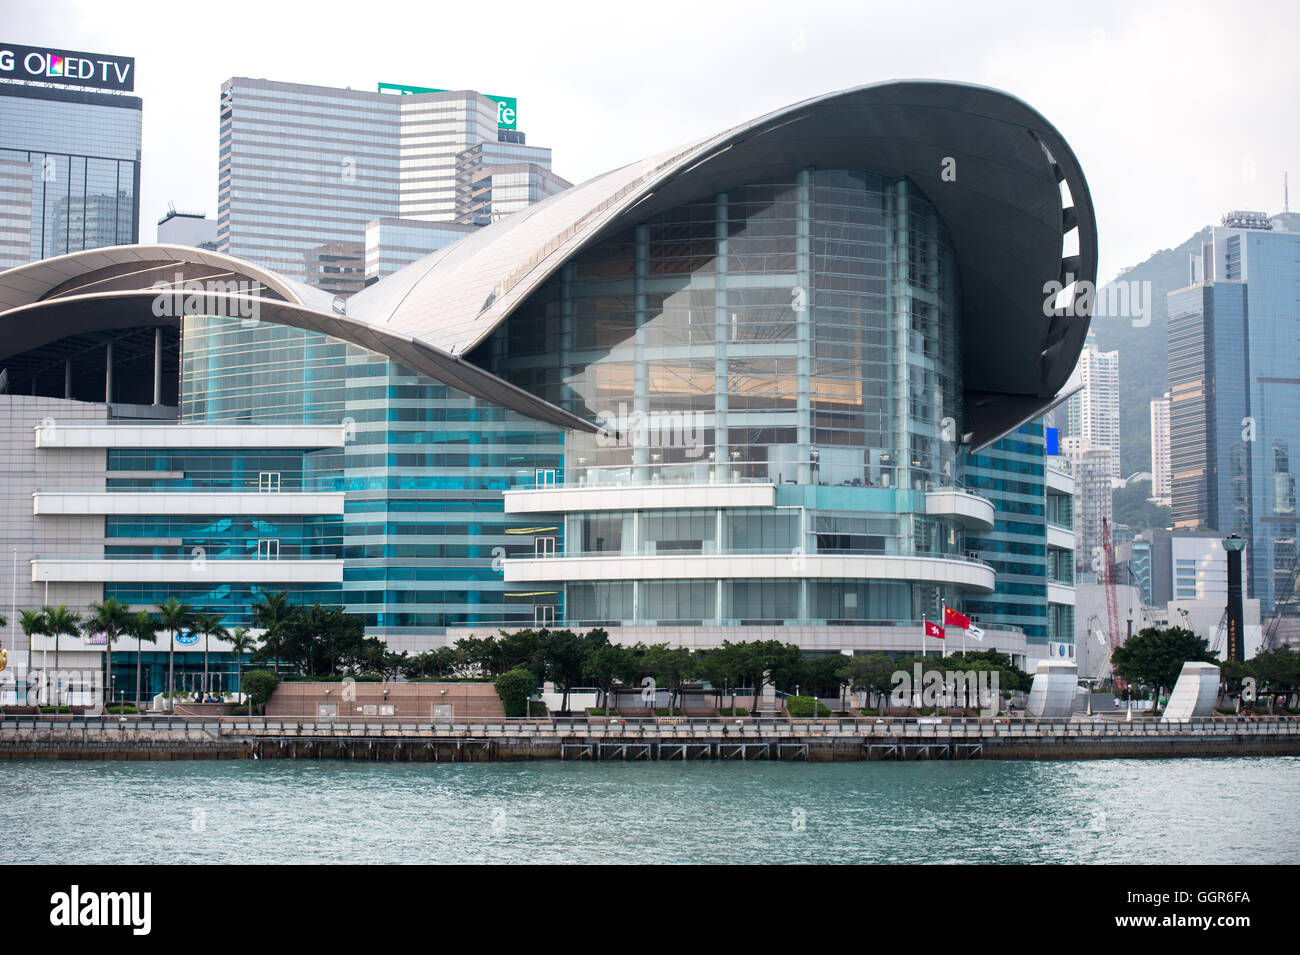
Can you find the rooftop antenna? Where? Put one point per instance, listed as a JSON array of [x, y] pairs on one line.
[[1286, 194]]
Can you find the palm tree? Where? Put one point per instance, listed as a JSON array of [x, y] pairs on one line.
[[33, 624], [208, 624], [241, 642], [173, 616], [269, 611], [143, 627], [112, 618], [60, 621]]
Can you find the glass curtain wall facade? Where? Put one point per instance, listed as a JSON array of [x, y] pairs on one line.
[[1010, 473], [802, 333], [797, 332], [1233, 373], [80, 152], [424, 531]]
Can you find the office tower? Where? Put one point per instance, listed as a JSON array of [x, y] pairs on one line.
[[1234, 379], [1091, 469], [1160, 474], [1094, 410], [69, 153], [304, 169], [187, 228]]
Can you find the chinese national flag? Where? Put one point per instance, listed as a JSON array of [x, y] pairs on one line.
[[933, 630], [951, 618]]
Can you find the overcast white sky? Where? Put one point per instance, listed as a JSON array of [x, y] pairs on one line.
[[1178, 111]]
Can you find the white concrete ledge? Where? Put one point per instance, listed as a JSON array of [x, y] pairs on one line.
[[1060, 537], [219, 503], [1060, 594], [961, 573], [970, 510], [1059, 480], [55, 434], [645, 497], [193, 571]]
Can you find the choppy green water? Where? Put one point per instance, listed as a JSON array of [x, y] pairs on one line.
[[269, 811]]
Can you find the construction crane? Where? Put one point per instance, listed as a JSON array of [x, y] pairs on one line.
[[1112, 602], [1279, 602]]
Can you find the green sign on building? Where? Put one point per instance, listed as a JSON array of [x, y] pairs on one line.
[[507, 106]]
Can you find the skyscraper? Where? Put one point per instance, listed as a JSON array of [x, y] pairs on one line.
[[1091, 468], [1094, 410], [69, 153], [1234, 378], [304, 169], [1160, 450]]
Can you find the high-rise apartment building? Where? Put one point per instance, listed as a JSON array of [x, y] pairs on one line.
[[69, 153], [304, 169], [1160, 474], [1234, 379], [1091, 469], [1094, 409]]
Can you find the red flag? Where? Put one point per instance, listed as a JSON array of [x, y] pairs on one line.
[[933, 630], [951, 618]]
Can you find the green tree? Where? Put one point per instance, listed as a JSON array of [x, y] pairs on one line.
[[173, 616], [1155, 657], [60, 621], [670, 666], [1278, 671], [563, 657], [322, 641], [605, 664], [112, 618], [143, 627], [34, 625], [241, 642], [208, 624], [515, 687], [873, 674], [258, 687]]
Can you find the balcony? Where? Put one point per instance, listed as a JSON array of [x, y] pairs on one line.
[[968, 573], [563, 499], [188, 503], [973, 512], [195, 570], [81, 434]]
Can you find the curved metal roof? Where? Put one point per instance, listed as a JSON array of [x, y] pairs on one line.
[[43, 302], [1004, 212]]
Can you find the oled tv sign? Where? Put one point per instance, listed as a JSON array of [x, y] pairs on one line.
[[67, 68]]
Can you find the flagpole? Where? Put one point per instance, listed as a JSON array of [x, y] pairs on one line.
[[922, 635]]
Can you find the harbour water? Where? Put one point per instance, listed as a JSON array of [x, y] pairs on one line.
[[1241, 810]]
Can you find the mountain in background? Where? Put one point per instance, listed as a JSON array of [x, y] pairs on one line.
[[1144, 352]]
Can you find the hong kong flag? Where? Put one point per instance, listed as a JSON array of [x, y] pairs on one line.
[[951, 618], [933, 630]]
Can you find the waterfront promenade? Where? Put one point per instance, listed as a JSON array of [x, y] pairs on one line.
[[822, 740]]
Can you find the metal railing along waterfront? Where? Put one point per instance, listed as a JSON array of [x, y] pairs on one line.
[[867, 727], [760, 728]]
